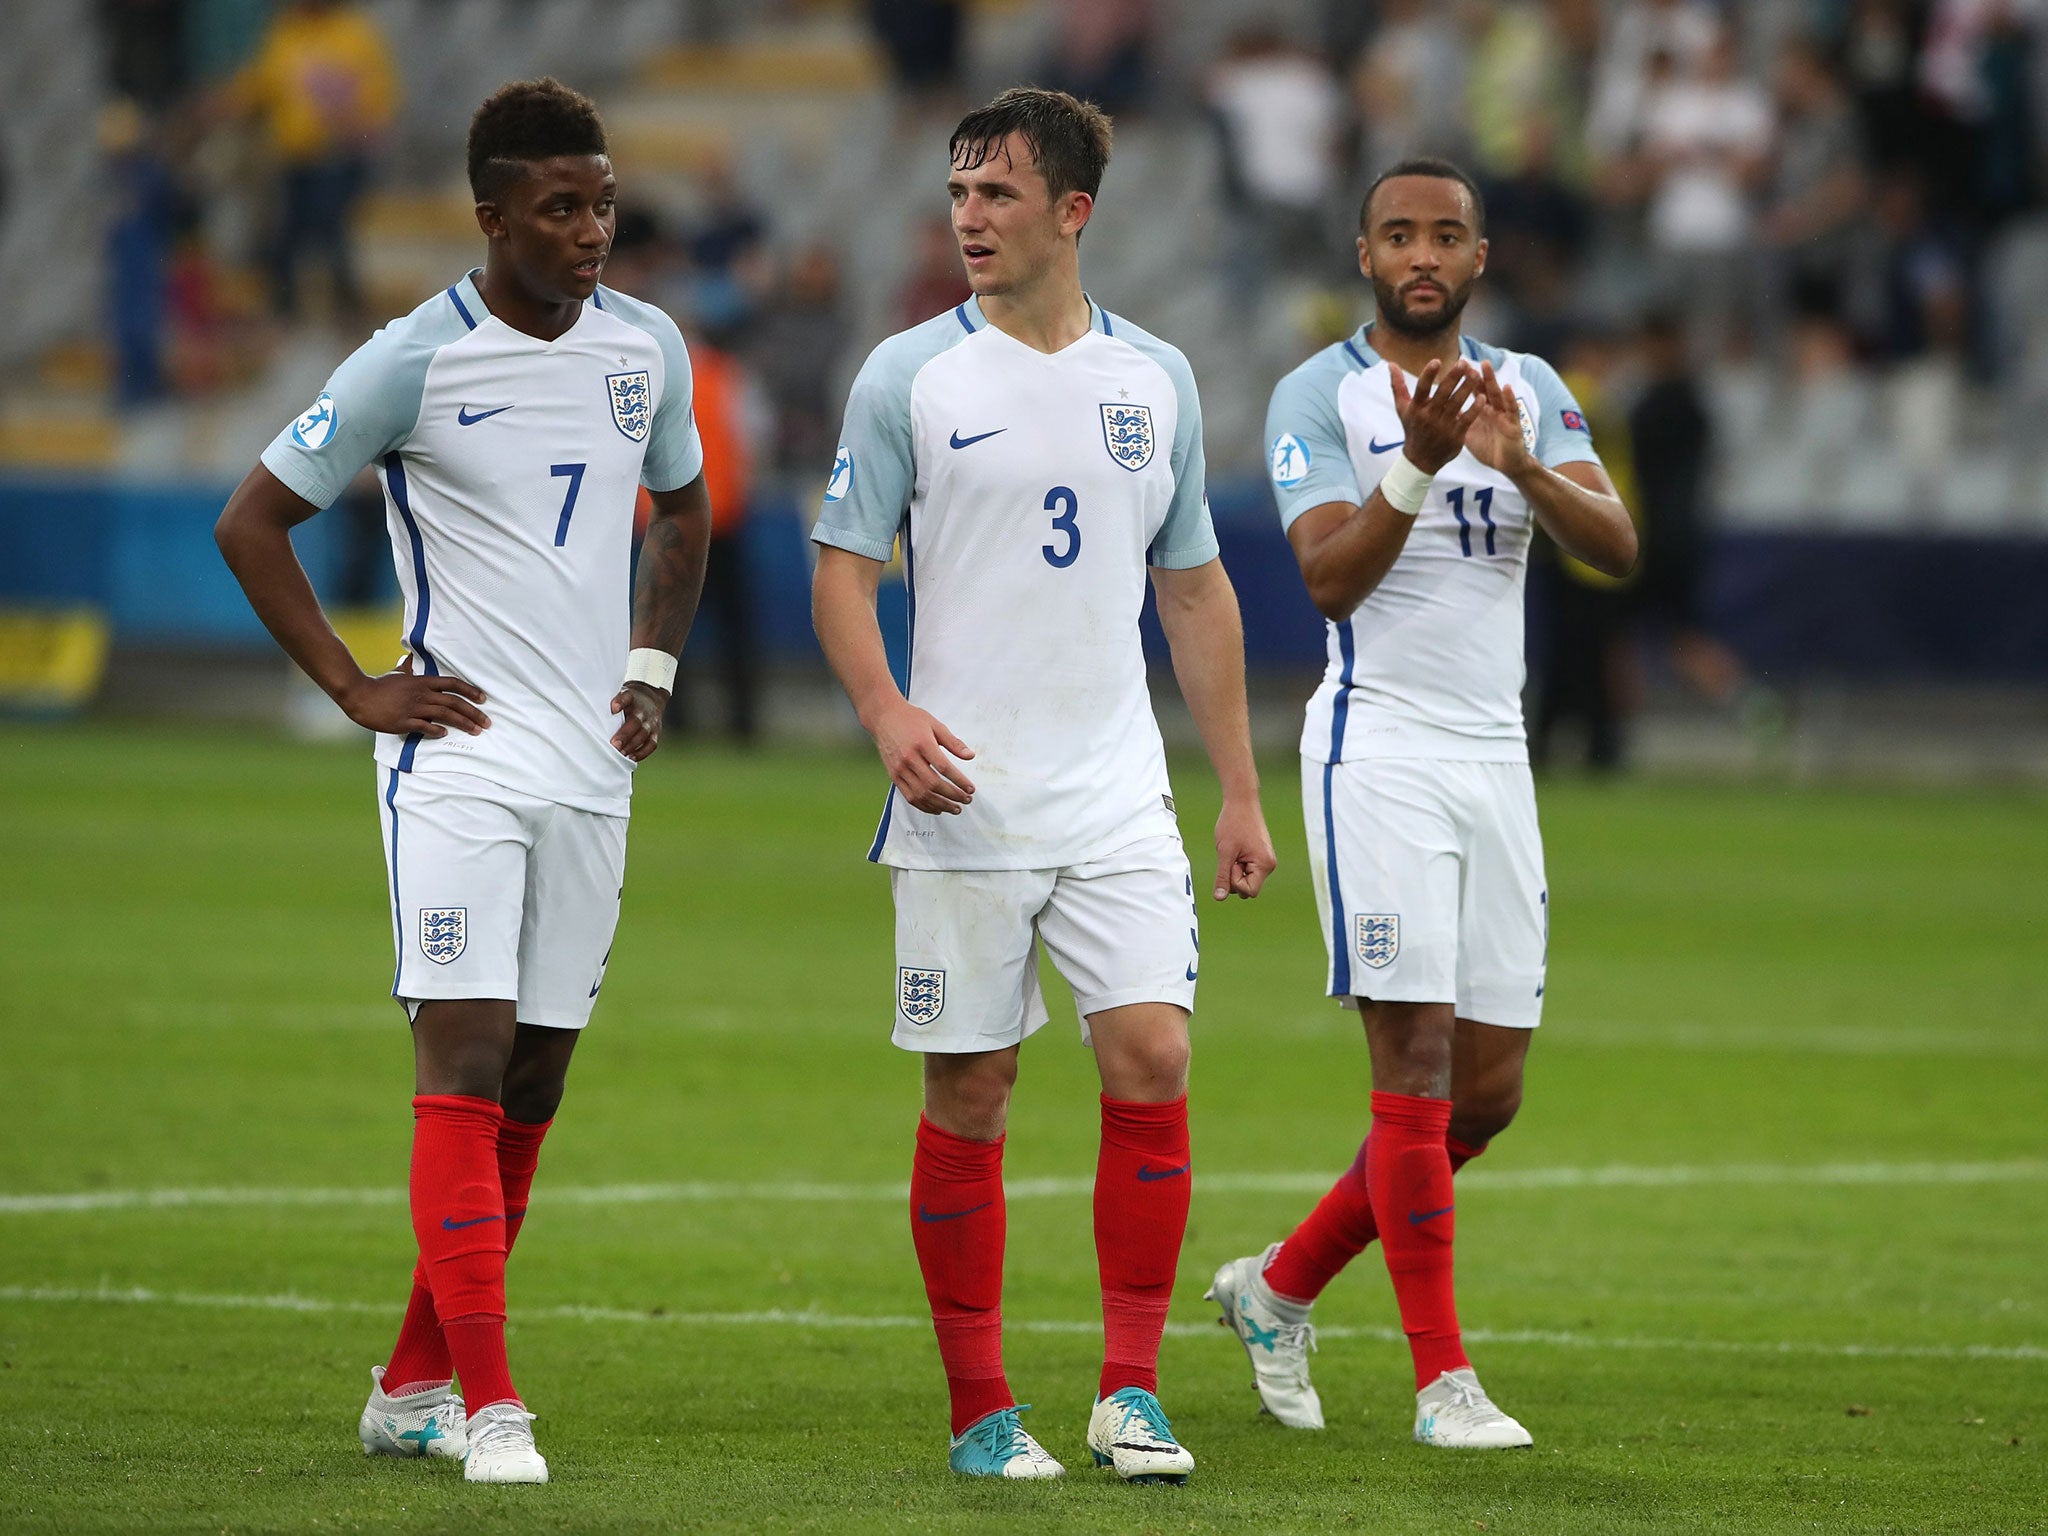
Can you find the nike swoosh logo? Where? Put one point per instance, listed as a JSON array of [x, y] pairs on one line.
[[1376, 446], [463, 418], [1416, 1219], [1191, 973], [449, 1224], [968, 442], [925, 1215], [1147, 1174]]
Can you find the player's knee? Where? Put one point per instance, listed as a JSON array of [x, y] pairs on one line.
[[970, 1096], [532, 1101], [1152, 1066], [1481, 1113]]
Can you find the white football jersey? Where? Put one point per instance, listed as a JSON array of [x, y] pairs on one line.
[[1030, 491], [1430, 664], [510, 467]]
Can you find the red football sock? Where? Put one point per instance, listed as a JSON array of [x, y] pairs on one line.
[[1409, 1174], [420, 1360], [1338, 1229], [1142, 1179], [458, 1215], [958, 1223]]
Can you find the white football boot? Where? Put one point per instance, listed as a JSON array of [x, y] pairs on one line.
[[1278, 1346], [995, 1445], [501, 1447], [418, 1424], [1128, 1432], [1454, 1410]]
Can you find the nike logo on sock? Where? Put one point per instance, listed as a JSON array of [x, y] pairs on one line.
[[1416, 1219], [1147, 1174], [450, 1224], [925, 1215]]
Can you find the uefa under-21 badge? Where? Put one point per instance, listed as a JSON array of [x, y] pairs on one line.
[[1127, 433], [1289, 461], [444, 933], [921, 995], [315, 429], [1379, 938], [632, 397], [842, 475]]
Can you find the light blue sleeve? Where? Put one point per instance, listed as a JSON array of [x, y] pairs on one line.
[[675, 453], [874, 471], [1562, 436], [1306, 456], [367, 409], [1186, 538]]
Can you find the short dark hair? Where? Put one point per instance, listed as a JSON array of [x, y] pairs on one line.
[[1426, 165], [528, 120], [1068, 137]]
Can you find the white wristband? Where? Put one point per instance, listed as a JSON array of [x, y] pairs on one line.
[[1403, 485], [657, 669]]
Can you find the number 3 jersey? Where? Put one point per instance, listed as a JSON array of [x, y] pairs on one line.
[[1030, 491], [510, 466], [1430, 664]]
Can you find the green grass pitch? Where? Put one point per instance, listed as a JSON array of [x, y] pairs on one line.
[[1764, 1252]]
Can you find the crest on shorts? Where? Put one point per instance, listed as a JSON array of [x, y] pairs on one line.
[[921, 995], [632, 397], [1127, 432], [1379, 938], [444, 933]]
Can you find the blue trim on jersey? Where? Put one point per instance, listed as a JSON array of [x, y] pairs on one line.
[[597, 297], [960, 314], [909, 656], [1471, 348], [1360, 356], [397, 919], [456, 299], [1105, 320], [394, 476], [1340, 939]]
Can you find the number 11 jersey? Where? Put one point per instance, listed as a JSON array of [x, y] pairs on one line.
[[510, 466], [1031, 491]]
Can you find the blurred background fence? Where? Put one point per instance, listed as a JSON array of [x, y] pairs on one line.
[[1793, 256]]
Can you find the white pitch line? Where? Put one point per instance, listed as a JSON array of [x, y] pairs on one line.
[[2019, 1171], [143, 1296]]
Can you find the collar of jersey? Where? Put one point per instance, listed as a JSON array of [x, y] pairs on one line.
[[1359, 345], [970, 315], [473, 300]]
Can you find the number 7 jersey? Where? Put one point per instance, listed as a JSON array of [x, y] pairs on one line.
[[510, 466], [1430, 664], [1031, 491]]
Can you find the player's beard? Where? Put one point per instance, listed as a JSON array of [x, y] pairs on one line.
[[1393, 314]]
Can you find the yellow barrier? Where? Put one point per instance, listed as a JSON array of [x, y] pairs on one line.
[[51, 659]]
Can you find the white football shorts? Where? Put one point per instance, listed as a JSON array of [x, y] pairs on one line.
[[1429, 882], [495, 894], [1120, 929]]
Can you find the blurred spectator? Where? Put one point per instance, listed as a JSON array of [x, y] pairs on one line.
[[1878, 50], [141, 225], [726, 421], [1585, 615], [1639, 35], [1537, 225], [1910, 294], [1974, 72], [922, 41], [796, 354], [1706, 136], [1279, 112], [146, 53], [1818, 188], [323, 87], [1409, 86], [1520, 73], [1670, 437], [727, 245], [1102, 51], [937, 281]]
